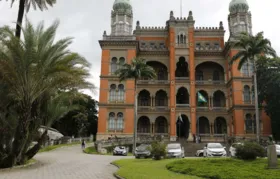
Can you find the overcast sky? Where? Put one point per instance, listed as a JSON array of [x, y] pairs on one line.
[[85, 20]]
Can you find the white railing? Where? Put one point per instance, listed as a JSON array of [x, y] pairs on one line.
[[153, 82], [210, 82], [219, 108], [121, 38]]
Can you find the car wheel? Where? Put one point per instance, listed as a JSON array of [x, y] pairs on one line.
[[200, 155]]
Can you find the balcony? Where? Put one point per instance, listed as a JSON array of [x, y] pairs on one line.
[[219, 109], [153, 109], [165, 82], [210, 82], [182, 79], [182, 106], [202, 108], [118, 38]]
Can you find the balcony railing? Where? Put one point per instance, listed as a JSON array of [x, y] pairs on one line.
[[153, 82], [210, 82], [219, 108], [183, 105], [153, 108], [248, 75], [200, 108], [182, 79]]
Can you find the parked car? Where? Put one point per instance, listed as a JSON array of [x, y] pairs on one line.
[[120, 150], [278, 150], [143, 150], [175, 150], [232, 149], [215, 150], [199, 153]]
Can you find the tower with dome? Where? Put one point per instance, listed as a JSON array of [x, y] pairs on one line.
[[190, 62]]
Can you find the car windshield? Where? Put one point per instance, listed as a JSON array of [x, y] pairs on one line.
[[277, 147], [214, 145], [122, 147], [142, 146], [173, 146]]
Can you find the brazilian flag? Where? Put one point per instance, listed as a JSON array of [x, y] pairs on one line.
[[201, 98]]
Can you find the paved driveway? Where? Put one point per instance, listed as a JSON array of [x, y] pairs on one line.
[[65, 163]]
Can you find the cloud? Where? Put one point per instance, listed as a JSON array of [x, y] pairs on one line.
[[85, 20]]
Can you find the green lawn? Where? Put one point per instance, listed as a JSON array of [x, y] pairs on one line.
[[147, 169], [49, 148], [224, 168], [92, 150]]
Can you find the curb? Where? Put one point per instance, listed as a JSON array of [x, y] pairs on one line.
[[115, 174], [20, 166]]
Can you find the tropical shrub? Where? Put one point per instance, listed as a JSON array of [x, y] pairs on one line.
[[249, 151], [158, 150]]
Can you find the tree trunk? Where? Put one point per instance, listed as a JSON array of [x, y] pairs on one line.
[[20, 17], [35, 149], [256, 102], [135, 118]]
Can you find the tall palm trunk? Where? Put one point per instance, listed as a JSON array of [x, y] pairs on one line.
[[135, 118], [256, 102], [20, 17]]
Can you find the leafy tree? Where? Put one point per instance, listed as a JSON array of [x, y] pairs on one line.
[[136, 70], [81, 121], [269, 87], [33, 70], [251, 48], [24, 5]]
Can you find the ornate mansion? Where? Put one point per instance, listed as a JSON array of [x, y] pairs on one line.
[[188, 61]]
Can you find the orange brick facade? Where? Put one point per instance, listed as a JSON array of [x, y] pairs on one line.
[[188, 60]]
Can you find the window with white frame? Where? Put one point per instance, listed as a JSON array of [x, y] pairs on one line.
[[121, 92], [246, 94], [114, 65], [111, 125], [113, 91], [120, 122]]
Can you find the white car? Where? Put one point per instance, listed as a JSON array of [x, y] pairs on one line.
[[278, 150], [120, 150], [232, 149], [199, 153], [215, 150], [175, 150]]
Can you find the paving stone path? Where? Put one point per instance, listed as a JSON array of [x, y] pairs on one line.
[[65, 163]]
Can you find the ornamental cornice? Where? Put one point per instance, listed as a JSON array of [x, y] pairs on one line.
[[208, 53], [104, 43], [114, 105], [154, 53]]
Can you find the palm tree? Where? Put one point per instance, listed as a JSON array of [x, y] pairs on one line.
[[25, 5], [251, 48], [136, 70], [33, 69]]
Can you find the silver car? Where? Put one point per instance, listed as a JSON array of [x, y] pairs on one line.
[[143, 150], [175, 150], [120, 150]]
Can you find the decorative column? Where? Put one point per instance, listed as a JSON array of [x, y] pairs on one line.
[[172, 84], [192, 73]]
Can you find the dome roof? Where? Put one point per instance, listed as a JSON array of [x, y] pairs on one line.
[[238, 6], [122, 5]]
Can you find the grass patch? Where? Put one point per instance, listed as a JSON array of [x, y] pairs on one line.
[[92, 150], [224, 168], [148, 169], [31, 161], [52, 147]]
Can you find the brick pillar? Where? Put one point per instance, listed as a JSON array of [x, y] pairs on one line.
[[192, 81]]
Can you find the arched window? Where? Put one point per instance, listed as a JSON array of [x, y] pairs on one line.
[[246, 94], [121, 92], [178, 39], [120, 121], [121, 62], [111, 121], [113, 89], [181, 39], [185, 39], [114, 65], [249, 123]]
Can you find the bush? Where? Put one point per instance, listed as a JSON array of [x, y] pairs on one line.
[[249, 151], [158, 150]]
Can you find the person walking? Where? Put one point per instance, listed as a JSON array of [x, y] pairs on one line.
[[83, 144]]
